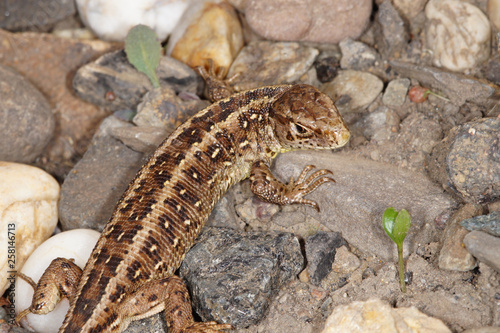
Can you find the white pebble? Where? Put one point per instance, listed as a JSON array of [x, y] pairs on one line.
[[76, 244], [112, 19], [28, 214], [458, 34]]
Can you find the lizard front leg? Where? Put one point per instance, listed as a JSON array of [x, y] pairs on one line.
[[169, 294], [59, 280], [268, 188]]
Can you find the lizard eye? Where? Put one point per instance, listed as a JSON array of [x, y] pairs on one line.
[[300, 129]]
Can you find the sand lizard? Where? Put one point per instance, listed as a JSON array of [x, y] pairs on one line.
[[130, 273]]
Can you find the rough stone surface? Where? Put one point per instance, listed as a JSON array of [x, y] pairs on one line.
[[263, 63], [458, 33], [458, 88], [363, 190], [453, 256], [91, 190], [357, 55], [473, 163], [376, 315], [113, 83], [391, 31], [488, 223], [240, 273], [353, 90], [324, 21], [320, 252], [484, 247], [37, 15], [28, 214], [26, 119]]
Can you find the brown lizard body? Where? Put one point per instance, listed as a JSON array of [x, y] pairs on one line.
[[129, 274]]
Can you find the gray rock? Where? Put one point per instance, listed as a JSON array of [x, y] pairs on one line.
[[112, 82], [91, 190], [36, 15], [378, 125], [473, 163], [357, 55], [144, 139], [263, 63], [395, 93], [363, 190], [26, 119], [484, 247], [320, 252], [391, 32], [240, 274], [458, 88], [453, 256], [353, 90], [488, 223]]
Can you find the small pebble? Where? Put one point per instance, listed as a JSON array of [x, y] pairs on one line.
[[320, 252], [391, 32], [359, 89], [376, 315], [395, 93], [357, 55], [488, 223], [458, 34], [484, 247]]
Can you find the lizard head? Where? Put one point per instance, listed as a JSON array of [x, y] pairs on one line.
[[304, 117]]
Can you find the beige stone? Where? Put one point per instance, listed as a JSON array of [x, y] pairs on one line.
[[377, 316], [208, 30], [28, 214]]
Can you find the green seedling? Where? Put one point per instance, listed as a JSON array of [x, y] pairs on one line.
[[396, 225], [144, 51]]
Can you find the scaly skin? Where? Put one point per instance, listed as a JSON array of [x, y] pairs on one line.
[[130, 272]]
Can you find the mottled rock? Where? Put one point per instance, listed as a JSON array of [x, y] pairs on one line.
[[457, 87], [36, 15], [395, 93], [26, 119], [391, 32], [113, 83], [320, 252], [453, 256], [484, 329], [473, 162], [323, 21], [28, 214], [492, 70], [357, 55], [240, 274], [91, 190], [488, 223], [484, 247], [410, 8], [112, 19], [209, 29], [353, 90], [378, 125], [326, 65], [163, 108], [363, 190], [74, 244], [264, 63], [376, 315], [457, 33]]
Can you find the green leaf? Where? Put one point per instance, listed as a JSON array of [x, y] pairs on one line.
[[144, 51], [401, 226], [388, 221]]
